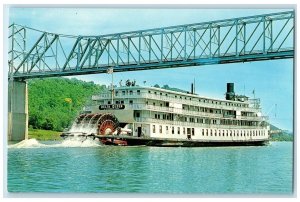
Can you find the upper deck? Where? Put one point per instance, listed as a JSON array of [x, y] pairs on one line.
[[159, 94]]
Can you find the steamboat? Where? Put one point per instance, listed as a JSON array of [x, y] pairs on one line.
[[140, 115]]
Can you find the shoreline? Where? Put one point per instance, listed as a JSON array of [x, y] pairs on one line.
[[44, 135]]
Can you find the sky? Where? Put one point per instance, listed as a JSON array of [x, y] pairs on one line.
[[272, 80]]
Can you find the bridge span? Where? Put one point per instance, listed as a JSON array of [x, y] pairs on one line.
[[35, 53]]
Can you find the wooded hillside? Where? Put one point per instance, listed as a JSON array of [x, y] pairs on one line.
[[55, 102]]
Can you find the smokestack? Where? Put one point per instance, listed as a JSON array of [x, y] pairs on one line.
[[192, 88], [230, 87], [230, 91]]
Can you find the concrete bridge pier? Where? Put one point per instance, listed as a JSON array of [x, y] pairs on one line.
[[17, 110]]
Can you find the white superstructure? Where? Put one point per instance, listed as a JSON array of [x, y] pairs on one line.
[[159, 113]]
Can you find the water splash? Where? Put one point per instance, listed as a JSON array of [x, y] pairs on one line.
[[30, 143], [85, 123], [70, 142], [78, 142]]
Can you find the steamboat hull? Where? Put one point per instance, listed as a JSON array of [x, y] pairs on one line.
[[166, 142]]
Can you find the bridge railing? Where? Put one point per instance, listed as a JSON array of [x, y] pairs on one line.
[[35, 53]]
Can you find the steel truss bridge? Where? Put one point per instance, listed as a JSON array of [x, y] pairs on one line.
[[34, 53]]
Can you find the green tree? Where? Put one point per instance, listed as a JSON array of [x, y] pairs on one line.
[[55, 102]]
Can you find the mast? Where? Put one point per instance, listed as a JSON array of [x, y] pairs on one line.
[[111, 71]]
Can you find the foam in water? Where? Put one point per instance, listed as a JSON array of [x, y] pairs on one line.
[[78, 142], [86, 125], [30, 143], [70, 142]]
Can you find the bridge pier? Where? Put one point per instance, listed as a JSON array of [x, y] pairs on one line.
[[17, 110]]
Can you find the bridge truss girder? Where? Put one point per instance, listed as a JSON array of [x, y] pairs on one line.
[[41, 54]]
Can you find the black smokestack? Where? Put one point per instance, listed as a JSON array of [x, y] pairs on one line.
[[192, 88], [230, 87], [230, 91]]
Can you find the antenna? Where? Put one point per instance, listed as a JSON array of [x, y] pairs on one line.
[[194, 86]]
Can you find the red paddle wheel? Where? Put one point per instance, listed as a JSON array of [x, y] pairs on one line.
[[107, 124], [107, 127]]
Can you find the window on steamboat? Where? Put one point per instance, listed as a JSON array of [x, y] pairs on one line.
[[153, 128]]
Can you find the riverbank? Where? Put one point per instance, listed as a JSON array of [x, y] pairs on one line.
[[282, 137], [40, 134]]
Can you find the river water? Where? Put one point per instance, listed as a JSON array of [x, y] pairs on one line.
[[75, 166]]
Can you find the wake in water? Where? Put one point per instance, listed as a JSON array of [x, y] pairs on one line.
[[70, 142]]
